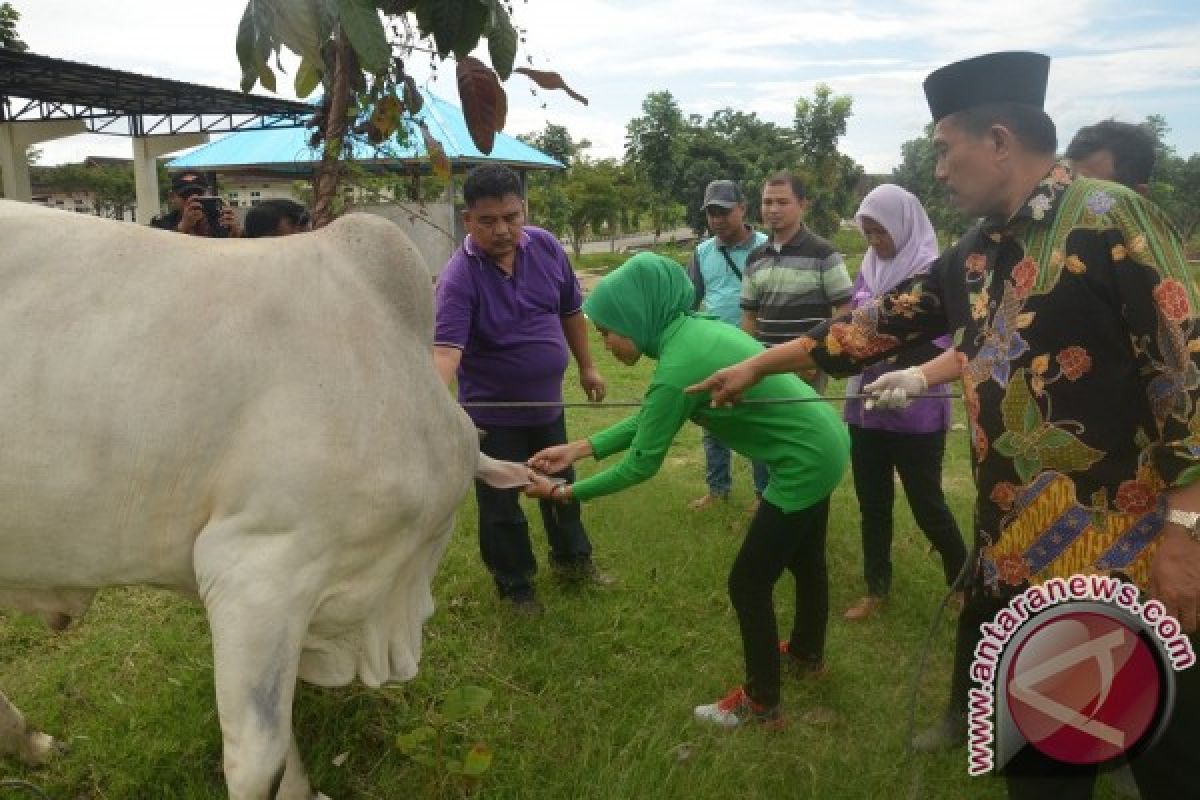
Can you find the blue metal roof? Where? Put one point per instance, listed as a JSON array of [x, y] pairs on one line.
[[287, 149]]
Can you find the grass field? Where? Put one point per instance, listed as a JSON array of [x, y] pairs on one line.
[[591, 701]]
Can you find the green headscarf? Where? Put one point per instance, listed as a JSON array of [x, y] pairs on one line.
[[640, 298]]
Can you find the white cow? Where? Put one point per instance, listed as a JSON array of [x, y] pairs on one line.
[[256, 423]]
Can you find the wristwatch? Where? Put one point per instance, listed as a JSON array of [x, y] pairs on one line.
[[1188, 520]]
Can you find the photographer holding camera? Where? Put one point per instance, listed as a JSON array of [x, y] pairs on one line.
[[195, 212]]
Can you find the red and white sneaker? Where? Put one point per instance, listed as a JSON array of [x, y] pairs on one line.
[[736, 708]]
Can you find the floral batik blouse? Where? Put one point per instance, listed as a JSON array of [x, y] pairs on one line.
[[1075, 326]]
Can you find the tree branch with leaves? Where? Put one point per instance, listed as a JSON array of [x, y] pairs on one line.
[[356, 50]]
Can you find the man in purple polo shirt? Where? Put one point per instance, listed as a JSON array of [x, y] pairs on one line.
[[508, 310]]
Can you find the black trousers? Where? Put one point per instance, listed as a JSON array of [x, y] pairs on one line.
[[876, 456], [504, 530], [777, 541], [1168, 771]]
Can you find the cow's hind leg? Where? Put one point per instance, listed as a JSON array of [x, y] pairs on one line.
[[258, 607], [16, 737]]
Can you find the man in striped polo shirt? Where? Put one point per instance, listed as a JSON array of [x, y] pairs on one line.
[[796, 280]]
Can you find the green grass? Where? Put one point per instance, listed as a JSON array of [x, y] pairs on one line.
[[592, 701]]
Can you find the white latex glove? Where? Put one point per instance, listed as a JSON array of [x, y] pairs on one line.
[[895, 389]]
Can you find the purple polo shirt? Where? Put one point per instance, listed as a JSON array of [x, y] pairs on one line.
[[509, 328], [926, 415]]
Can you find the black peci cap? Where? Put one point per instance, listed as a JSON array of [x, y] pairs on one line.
[[1007, 77]]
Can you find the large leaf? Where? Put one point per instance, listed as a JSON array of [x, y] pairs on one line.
[[455, 25], [550, 80], [308, 75], [465, 701], [247, 42], [268, 25], [502, 41], [296, 24], [483, 101], [360, 20], [266, 77]]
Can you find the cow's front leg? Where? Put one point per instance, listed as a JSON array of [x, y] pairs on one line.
[[258, 607], [31, 746]]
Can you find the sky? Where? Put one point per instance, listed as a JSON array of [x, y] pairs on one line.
[[1110, 58]]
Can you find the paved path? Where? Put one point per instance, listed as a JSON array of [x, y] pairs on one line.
[[637, 240]]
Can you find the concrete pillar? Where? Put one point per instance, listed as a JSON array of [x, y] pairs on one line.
[[15, 137], [146, 150]]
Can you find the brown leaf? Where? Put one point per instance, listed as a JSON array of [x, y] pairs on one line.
[[501, 108], [550, 80], [437, 154], [386, 115], [480, 92]]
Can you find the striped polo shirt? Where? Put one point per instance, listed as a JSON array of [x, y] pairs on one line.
[[795, 287]]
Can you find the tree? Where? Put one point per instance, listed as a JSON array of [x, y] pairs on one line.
[[549, 205], [344, 46], [112, 187], [1175, 181], [556, 142], [593, 192], [819, 124], [737, 146], [916, 173], [653, 142], [654, 150], [9, 40]]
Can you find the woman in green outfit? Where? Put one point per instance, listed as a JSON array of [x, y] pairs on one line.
[[642, 308]]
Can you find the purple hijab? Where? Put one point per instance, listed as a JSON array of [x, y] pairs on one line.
[[904, 218]]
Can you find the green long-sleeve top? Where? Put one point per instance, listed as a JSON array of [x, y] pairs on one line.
[[805, 445]]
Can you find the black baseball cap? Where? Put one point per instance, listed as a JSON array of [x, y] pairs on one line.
[[724, 194], [188, 182]]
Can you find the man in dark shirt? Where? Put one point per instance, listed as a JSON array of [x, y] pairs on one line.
[[187, 215], [1114, 151], [796, 280], [508, 311], [793, 282], [1075, 319]]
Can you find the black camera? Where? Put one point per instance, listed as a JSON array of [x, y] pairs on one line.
[[212, 206]]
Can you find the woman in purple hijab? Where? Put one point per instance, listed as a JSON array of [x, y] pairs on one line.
[[910, 442]]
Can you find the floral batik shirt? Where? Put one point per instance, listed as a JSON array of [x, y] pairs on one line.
[[1075, 325]]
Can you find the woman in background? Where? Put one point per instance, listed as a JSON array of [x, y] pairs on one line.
[[909, 441]]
